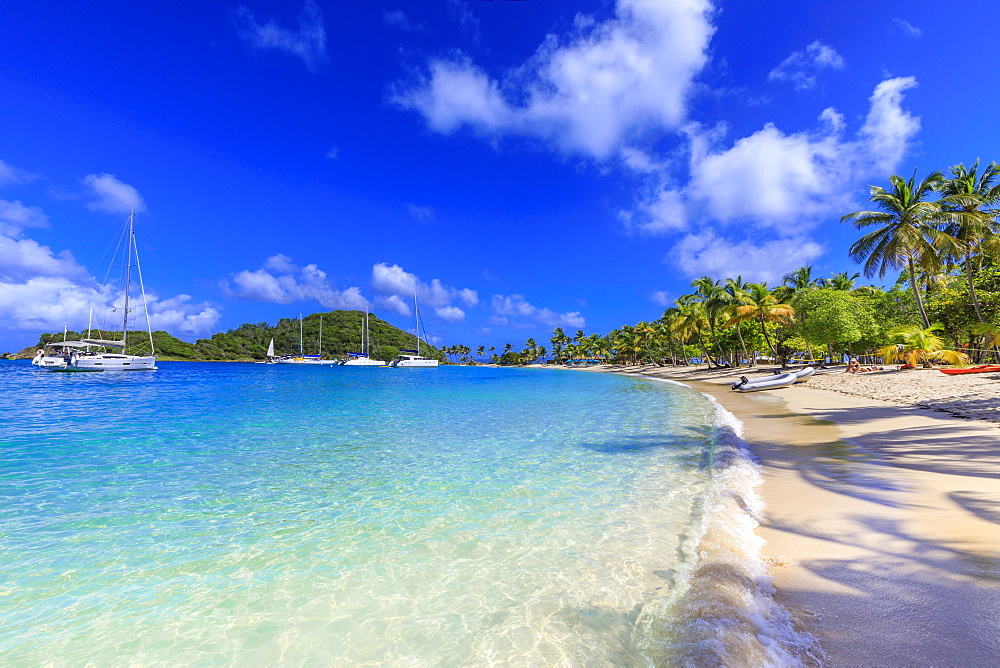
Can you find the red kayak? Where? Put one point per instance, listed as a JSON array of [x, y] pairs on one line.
[[972, 369]]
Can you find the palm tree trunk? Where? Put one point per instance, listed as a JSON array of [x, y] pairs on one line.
[[701, 344], [763, 328], [743, 345], [972, 288], [916, 293]]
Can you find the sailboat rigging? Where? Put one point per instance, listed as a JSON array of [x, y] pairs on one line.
[[412, 358], [78, 356]]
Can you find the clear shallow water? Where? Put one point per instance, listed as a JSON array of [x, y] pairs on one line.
[[251, 514]]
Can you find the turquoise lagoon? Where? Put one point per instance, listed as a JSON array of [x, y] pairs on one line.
[[255, 515]]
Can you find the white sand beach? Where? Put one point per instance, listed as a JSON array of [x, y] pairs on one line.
[[883, 508]]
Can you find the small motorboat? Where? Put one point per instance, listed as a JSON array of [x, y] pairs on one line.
[[982, 368], [766, 383]]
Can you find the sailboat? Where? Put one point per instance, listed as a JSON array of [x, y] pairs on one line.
[[412, 358], [78, 355], [301, 358], [364, 357]]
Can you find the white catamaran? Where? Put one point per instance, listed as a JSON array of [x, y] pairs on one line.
[[364, 357], [80, 356], [301, 358], [412, 358]]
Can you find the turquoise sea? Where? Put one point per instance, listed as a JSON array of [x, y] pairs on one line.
[[240, 514]]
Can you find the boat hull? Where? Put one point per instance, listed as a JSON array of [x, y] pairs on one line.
[[767, 383], [984, 368], [111, 362]]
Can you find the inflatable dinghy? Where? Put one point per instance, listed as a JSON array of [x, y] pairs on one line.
[[766, 383], [802, 375]]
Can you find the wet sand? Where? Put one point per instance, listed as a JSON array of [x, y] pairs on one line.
[[883, 518]]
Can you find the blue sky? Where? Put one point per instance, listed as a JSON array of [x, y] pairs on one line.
[[520, 165]]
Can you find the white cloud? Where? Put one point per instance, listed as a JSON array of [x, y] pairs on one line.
[[392, 281], [398, 19], [280, 263], [112, 195], [907, 28], [333, 153], [589, 94], [450, 313], [281, 282], [10, 175], [15, 216], [177, 314], [393, 303], [802, 67], [770, 179], [308, 41], [43, 291], [424, 214], [706, 253], [24, 259], [888, 128], [513, 310], [660, 298]]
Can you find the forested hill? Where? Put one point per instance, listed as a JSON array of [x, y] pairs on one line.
[[341, 335]]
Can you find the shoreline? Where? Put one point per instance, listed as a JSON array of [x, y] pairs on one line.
[[882, 521]]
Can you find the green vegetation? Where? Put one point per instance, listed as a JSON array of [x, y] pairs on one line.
[[940, 233], [341, 335]]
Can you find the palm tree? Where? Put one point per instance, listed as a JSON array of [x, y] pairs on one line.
[[714, 297], [971, 227], [762, 305], [920, 346], [737, 291], [692, 322], [800, 279], [558, 341], [840, 281], [906, 235]]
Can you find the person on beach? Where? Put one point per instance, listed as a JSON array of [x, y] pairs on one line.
[[855, 367]]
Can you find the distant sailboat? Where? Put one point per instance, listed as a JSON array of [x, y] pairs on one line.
[[301, 358], [412, 358], [364, 357]]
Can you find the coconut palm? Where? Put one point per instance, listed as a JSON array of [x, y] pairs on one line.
[[971, 223], [919, 346], [714, 297], [736, 290], [906, 236], [692, 321], [840, 281], [764, 307]]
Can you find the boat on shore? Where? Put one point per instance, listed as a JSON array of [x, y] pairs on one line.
[[766, 383], [982, 368]]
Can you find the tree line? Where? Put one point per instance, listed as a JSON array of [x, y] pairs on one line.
[[939, 236]]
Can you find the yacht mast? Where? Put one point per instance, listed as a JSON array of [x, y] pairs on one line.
[[416, 322], [301, 352], [321, 336], [128, 278]]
